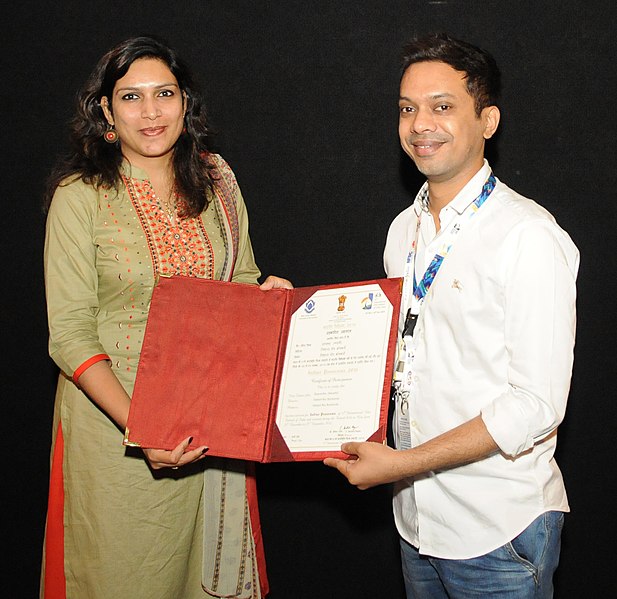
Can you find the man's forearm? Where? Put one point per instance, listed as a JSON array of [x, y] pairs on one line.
[[466, 443]]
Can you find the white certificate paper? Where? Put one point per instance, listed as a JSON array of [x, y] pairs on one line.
[[333, 377]]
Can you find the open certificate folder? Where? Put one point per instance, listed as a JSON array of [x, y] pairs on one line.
[[279, 375]]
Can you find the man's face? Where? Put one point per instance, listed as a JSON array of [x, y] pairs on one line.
[[438, 125]]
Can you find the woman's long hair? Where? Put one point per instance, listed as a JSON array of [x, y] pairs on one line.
[[97, 162]]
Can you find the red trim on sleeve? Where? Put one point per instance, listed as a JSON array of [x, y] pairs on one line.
[[93, 360], [55, 582]]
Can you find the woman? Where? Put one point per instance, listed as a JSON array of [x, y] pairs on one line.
[[139, 196]]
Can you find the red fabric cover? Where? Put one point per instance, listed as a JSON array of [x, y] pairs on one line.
[[210, 367], [207, 367]]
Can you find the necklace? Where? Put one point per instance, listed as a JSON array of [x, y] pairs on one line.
[[169, 206]]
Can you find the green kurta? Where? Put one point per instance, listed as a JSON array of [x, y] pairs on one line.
[[128, 532]]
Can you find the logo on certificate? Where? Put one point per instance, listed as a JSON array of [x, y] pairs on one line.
[[309, 306], [367, 302], [341, 303]]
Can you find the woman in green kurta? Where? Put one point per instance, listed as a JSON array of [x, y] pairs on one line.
[[139, 197]]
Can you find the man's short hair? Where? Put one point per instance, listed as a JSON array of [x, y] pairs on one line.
[[481, 70]]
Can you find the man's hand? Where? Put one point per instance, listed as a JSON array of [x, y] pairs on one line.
[[369, 464], [373, 464], [273, 282]]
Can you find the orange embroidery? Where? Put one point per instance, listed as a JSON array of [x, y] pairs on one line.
[[178, 247]]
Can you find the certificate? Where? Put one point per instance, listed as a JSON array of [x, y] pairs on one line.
[[335, 362], [279, 375]]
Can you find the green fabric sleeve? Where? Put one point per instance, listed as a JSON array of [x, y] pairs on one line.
[[71, 280]]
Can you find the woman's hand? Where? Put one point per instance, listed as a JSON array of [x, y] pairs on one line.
[[273, 282], [161, 458]]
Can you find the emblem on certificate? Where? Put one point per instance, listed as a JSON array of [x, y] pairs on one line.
[[341, 303], [367, 302], [309, 306]]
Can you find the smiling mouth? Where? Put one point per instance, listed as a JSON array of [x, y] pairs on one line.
[[426, 147], [152, 131], [426, 143]]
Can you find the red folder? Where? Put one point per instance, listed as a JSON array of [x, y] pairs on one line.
[[211, 364]]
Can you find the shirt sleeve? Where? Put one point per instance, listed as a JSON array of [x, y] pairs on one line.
[[71, 281], [539, 281], [401, 235]]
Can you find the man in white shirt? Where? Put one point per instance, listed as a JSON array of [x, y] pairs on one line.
[[485, 359]]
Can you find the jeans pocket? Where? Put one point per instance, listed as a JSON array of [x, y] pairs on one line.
[[520, 554], [531, 546]]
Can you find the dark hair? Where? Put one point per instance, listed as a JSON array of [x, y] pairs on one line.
[[97, 162], [481, 70]]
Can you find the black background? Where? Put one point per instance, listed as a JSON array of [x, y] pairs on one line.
[[303, 95]]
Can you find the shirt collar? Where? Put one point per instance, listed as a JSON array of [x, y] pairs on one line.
[[462, 199], [421, 202]]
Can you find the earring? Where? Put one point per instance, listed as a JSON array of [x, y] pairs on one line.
[[111, 135]]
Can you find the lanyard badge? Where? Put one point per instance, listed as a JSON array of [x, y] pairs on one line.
[[414, 293]]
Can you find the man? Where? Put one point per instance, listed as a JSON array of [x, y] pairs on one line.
[[485, 360]]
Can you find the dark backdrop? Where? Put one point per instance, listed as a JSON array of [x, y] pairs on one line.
[[303, 95]]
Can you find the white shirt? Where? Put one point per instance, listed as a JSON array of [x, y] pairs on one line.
[[495, 336]]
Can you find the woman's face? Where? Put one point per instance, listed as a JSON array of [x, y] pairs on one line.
[[147, 110]]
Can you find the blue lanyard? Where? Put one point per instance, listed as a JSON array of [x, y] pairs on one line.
[[421, 289]]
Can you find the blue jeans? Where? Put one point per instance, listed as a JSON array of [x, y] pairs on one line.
[[520, 569]]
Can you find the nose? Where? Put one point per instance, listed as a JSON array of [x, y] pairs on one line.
[[150, 109], [423, 121]]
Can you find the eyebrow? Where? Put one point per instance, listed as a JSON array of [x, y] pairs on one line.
[[438, 96], [147, 85]]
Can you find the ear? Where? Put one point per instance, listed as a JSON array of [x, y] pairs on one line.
[[107, 110], [490, 116], [185, 103]]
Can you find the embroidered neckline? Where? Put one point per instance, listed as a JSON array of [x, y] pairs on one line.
[[177, 246]]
